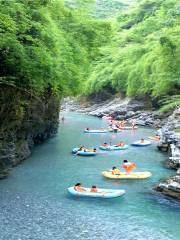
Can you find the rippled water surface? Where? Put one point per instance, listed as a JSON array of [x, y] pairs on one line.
[[34, 203]]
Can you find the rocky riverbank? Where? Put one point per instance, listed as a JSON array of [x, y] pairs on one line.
[[168, 126], [170, 141], [26, 120], [121, 109]]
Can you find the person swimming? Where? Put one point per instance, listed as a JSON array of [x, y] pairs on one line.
[[78, 187]]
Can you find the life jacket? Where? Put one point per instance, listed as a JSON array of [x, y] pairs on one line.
[[115, 171]]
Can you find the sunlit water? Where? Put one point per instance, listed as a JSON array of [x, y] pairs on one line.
[[34, 203]]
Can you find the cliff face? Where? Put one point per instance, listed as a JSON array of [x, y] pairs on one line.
[[25, 120]]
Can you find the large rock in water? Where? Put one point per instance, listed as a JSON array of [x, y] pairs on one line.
[[24, 121]]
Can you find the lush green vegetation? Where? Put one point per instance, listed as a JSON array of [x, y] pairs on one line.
[[45, 45], [143, 57]]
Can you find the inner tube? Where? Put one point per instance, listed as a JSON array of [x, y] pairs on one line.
[[139, 144], [96, 131], [113, 147], [82, 153], [154, 138], [129, 128]]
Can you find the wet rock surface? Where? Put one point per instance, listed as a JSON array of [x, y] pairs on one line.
[[36, 121]]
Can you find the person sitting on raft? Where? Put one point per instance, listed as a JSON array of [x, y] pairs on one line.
[[128, 166], [94, 189], [105, 144], [121, 144], [78, 187], [142, 140], [87, 129], [82, 148], [91, 150], [115, 171]]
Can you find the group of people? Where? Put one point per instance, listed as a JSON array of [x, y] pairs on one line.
[[84, 149], [121, 124], [128, 167], [120, 144], [79, 188]]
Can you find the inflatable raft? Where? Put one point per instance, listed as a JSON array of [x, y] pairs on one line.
[[123, 175], [115, 130], [129, 128], [83, 153], [139, 144], [154, 138], [102, 193], [96, 131], [113, 148]]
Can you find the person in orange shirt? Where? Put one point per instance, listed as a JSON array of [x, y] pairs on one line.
[[78, 187], [94, 189], [128, 166]]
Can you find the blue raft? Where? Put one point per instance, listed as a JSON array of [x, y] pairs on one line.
[[140, 144], [113, 148], [83, 153], [102, 193], [96, 131]]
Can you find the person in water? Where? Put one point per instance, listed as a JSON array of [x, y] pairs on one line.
[[78, 187], [94, 189], [128, 166], [115, 171]]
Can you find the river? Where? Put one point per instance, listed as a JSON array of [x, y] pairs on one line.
[[34, 203]]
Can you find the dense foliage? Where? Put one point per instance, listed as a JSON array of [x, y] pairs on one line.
[[46, 45], [143, 58]]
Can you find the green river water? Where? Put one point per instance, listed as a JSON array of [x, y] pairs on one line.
[[34, 203]]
